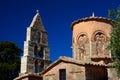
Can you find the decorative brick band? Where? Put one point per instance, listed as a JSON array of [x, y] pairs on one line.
[[76, 72], [50, 75]]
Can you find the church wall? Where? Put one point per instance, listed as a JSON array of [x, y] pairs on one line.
[[76, 72], [73, 72], [112, 75]]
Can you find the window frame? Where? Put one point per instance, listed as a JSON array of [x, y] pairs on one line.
[[62, 74]]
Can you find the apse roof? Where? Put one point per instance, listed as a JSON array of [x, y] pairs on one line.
[[92, 18]]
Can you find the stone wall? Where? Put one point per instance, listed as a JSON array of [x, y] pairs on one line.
[[73, 72]]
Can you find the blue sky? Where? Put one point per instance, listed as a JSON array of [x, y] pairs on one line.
[[57, 16]]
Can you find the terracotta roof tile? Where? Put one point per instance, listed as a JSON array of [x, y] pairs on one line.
[[91, 18], [26, 75], [73, 61]]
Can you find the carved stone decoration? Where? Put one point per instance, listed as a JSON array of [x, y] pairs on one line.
[[100, 43], [81, 45]]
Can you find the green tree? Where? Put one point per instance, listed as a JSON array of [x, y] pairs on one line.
[[114, 45], [9, 60]]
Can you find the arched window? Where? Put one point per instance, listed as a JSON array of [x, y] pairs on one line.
[[38, 66], [41, 52], [38, 38], [35, 50]]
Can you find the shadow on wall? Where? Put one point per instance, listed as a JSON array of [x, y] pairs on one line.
[[96, 72]]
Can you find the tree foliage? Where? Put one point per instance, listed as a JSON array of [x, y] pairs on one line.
[[9, 60], [114, 45]]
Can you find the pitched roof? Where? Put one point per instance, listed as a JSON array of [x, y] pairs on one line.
[[72, 61], [37, 21], [92, 18], [28, 75]]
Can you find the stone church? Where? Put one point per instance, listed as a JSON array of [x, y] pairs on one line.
[[90, 61]]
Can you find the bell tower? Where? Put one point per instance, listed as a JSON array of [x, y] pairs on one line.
[[36, 50]]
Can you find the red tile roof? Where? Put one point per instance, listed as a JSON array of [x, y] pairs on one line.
[[73, 61], [92, 18]]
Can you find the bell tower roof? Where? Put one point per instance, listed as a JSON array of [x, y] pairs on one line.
[[37, 21]]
